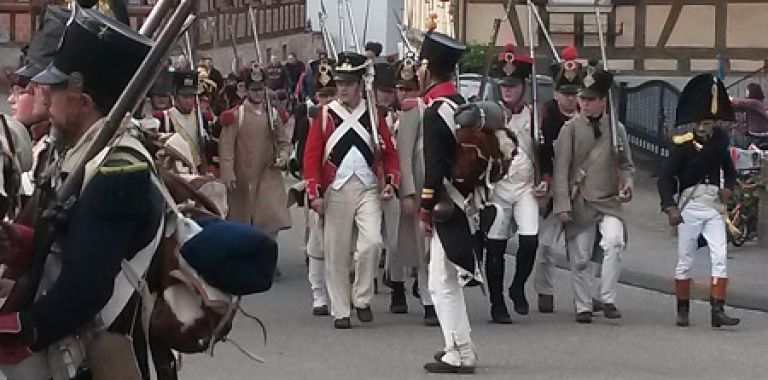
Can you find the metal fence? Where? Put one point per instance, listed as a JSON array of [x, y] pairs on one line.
[[648, 113]]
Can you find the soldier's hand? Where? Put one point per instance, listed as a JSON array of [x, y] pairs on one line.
[[318, 205], [541, 190], [674, 215], [625, 194], [408, 205], [565, 217], [425, 221], [725, 194], [388, 192]]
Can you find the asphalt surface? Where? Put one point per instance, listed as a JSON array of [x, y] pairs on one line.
[[644, 344]]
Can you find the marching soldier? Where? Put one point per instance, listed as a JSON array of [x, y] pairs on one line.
[[118, 216], [515, 195], [567, 76], [183, 117], [693, 173], [410, 148], [395, 271], [254, 148], [340, 163], [452, 262], [325, 91], [589, 188]]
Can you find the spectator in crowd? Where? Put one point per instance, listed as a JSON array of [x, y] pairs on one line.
[[277, 75], [295, 68]]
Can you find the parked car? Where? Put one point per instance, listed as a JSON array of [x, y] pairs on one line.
[[469, 87]]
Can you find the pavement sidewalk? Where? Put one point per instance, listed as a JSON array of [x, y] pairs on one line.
[[651, 255]]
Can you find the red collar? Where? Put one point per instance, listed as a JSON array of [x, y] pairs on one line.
[[443, 89]]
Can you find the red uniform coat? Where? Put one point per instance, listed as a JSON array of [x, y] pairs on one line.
[[319, 172]]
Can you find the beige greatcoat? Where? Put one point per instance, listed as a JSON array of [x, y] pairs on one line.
[[410, 150], [248, 151]]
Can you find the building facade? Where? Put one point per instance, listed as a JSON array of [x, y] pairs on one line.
[[649, 37]]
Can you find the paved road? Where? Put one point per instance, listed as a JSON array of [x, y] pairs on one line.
[[645, 344]]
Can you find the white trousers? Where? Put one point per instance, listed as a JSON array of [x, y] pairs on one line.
[[551, 242], [699, 219], [580, 250], [448, 297], [352, 224], [316, 277], [520, 216]]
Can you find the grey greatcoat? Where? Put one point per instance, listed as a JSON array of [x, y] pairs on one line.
[[249, 147], [589, 192], [410, 150]]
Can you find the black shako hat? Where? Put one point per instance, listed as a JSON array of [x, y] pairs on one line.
[[704, 98], [512, 69], [88, 35], [46, 41], [384, 76], [405, 72], [350, 67], [441, 52], [163, 85], [322, 74], [185, 82], [596, 83], [568, 74]]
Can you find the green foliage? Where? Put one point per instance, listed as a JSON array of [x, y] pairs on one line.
[[473, 60]]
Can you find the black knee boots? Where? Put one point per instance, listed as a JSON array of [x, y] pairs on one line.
[[526, 257], [494, 273]]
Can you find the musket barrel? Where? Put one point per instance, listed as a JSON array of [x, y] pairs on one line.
[[615, 143], [155, 17]]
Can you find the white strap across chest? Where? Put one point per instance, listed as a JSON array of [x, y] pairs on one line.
[[446, 111], [349, 121]]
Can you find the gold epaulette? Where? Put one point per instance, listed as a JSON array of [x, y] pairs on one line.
[[427, 193], [130, 168], [682, 139]]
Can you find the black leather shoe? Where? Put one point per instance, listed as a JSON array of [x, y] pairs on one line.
[[499, 314], [519, 303], [597, 306], [430, 317], [398, 304], [342, 323], [719, 318], [441, 367], [546, 303], [610, 311], [584, 317], [364, 314], [320, 310]]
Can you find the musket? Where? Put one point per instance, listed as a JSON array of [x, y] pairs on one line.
[[365, 23], [491, 50], [369, 75], [59, 204], [617, 146], [342, 36], [202, 133], [355, 43], [403, 35], [261, 63], [536, 134], [330, 46], [532, 8], [236, 63]]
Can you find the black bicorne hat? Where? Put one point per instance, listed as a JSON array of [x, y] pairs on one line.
[[512, 68], [568, 74], [90, 34], [441, 52], [350, 67], [704, 98]]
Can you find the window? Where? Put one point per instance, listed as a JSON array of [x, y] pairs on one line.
[[285, 52], [577, 6]]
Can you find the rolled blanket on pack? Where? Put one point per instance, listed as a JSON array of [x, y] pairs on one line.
[[234, 257]]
